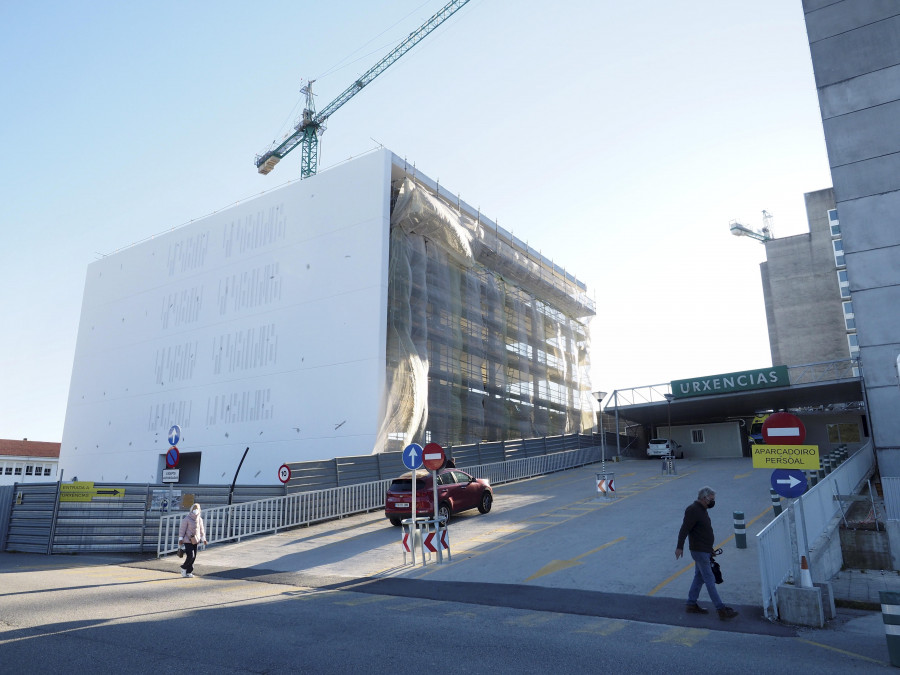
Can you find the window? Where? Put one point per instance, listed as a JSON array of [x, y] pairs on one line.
[[18, 471], [697, 436], [38, 470], [838, 245], [29, 470], [8, 471], [849, 317], [46, 470], [844, 283], [834, 223], [853, 342]]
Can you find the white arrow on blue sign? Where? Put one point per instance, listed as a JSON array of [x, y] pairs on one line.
[[174, 434], [412, 456], [788, 482]]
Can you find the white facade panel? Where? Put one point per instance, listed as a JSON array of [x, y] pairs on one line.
[[262, 325]]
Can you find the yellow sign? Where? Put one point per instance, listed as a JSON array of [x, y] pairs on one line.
[[786, 457], [84, 491], [79, 491]]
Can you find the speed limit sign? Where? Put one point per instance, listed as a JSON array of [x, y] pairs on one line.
[[284, 473]]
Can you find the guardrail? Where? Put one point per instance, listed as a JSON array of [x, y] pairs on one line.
[[238, 521], [818, 508]]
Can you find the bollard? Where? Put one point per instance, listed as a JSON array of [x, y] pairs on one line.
[[812, 477], [668, 466], [776, 501], [826, 464], [890, 615], [740, 529]]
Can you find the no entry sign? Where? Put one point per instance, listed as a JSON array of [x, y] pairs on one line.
[[783, 429], [433, 457]]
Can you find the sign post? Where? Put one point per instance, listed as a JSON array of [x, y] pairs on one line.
[[433, 458], [412, 460]]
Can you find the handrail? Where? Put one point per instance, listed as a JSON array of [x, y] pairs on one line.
[[238, 521]]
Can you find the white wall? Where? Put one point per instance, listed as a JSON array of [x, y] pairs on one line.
[[262, 325]]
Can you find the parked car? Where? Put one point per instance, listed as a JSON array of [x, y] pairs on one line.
[[663, 447], [457, 491]]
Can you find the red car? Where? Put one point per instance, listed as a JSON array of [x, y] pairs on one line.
[[457, 491]]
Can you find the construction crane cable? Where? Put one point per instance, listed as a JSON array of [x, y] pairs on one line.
[[340, 65]]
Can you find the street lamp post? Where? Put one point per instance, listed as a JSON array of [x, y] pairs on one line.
[[669, 398], [600, 395]]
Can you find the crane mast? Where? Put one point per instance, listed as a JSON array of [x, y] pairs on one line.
[[311, 124]]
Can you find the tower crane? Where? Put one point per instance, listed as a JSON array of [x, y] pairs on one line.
[[311, 124], [762, 235]]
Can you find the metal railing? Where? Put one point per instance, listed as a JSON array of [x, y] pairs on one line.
[[817, 507], [238, 521]]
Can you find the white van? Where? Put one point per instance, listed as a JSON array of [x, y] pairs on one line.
[[663, 447]]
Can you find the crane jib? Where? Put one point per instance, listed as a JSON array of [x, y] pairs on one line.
[[266, 162]]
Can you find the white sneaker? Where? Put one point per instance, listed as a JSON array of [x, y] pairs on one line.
[[190, 575], [184, 573]]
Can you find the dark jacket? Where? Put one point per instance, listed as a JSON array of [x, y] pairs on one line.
[[697, 528]]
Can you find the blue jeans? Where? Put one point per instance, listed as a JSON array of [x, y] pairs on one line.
[[703, 575]]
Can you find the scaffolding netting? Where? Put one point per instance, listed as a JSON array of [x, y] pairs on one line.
[[486, 340]]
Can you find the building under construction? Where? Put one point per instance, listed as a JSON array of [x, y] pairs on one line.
[[308, 325]]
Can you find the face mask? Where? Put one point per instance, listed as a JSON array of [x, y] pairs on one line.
[[195, 511], [712, 503]]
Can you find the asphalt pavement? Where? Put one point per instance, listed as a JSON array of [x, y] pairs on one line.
[[554, 544]]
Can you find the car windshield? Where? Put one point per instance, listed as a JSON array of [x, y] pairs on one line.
[[658, 441], [405, 485]]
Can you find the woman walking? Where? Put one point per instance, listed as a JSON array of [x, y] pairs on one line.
[[190, 534]]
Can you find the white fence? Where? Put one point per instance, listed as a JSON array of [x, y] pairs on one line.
[[816, 510], [238, 521]]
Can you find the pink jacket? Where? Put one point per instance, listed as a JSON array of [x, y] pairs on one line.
[[191, 525]]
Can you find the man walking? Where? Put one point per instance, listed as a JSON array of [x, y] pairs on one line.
[[697, 528]]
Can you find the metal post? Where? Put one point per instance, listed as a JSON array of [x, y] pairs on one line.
[[776, 501], [740, 530]]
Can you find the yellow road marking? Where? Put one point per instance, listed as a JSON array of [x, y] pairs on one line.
[[842, 651], [529, 620], [743, 475], [686, 637], [604, 627], [557, 565]]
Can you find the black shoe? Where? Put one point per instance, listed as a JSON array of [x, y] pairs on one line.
[[727, 613], [695, 609]]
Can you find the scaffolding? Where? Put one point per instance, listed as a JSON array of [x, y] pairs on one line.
[[487, 340]]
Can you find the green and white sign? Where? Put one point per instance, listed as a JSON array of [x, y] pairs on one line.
[[776, 376]]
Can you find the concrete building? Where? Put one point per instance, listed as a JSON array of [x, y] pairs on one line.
[[354, 312], [855, 48], [808, 306], [28, 461]]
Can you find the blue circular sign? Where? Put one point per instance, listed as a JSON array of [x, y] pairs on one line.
[[174, 434], [789, 482], [412, 456], [172, 457]]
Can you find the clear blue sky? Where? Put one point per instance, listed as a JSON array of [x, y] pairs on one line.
[[617, 138]]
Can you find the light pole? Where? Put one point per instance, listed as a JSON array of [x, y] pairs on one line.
[[600, 395], [669, 398]]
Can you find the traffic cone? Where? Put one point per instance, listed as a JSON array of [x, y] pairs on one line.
[[805, 577]]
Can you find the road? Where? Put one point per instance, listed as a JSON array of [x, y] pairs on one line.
[[552, 579]]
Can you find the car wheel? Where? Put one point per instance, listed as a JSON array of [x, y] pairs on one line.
[[444, 512], [486, 502], [395, 522], [681, 456]]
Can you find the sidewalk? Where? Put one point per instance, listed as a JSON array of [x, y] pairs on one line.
[[860, 588]]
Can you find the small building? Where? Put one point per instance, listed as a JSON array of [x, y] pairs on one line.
[[28, 461]]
